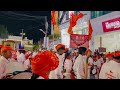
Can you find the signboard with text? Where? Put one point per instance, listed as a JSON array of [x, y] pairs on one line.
[[111, 25]]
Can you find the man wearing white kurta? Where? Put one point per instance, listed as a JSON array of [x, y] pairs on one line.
[[68, 68], [97, 66], [59, 69], [4, 62], [21, 57], [79, 64], [58, 72], [111, 69]]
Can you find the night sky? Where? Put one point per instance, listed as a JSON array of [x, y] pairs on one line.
[[15, 21]]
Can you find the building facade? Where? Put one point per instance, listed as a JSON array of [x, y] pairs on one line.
[[96, 18]]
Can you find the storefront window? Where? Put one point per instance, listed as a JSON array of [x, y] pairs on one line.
[[95, 14]]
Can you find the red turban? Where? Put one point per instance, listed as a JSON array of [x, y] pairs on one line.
[[44, 62], [60, 46], [109, 55], [116, 53], [4, 48]]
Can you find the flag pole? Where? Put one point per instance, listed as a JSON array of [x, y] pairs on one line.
[[53, 35]]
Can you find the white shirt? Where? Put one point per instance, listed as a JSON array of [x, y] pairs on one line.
[[4, 63], [101, 60], [21, 58], [34, 54], [67, 67], [57, 73], [97, 63], [40, 77], [18, 53], [77, 65], [110, 70], [27, 64]]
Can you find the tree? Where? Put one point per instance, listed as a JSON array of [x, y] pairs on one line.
[[56, 36], [36, 47], [3, 31]]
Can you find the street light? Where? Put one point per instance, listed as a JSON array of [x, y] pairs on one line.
[[42, 31], [45, 36], [45, 32]]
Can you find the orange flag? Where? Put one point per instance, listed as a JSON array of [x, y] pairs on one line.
[[90, 31], [73, 21], [53, 18]]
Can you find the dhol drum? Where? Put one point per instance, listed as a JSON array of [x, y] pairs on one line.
[[23, 75], [15, 66]]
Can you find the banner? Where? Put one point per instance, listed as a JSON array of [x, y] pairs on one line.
[[77, 40], [111, 25]]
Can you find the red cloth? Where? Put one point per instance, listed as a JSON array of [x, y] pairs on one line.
[[116, 53], [60, 46], [73, 21], [90, 30], [109, 55], [44, 62], [53, 18], [27, 55]]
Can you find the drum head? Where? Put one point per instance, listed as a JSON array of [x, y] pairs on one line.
[[94, 71], [24, 75]]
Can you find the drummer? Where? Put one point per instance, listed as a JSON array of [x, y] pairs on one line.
[[6, 52]]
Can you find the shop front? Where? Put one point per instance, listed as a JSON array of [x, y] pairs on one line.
[[106, 32]]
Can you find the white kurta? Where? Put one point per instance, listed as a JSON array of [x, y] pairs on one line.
[[79, 66], [18, 53], [110, 70], [27, 64], [76, 66], [21, 58], [57, 73], [40, 77], [67, 67], [101, 60], [3, 67], [97, 65], [82, 65], [34, 54]]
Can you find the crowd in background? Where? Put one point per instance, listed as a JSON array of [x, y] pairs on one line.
[[61, 63]]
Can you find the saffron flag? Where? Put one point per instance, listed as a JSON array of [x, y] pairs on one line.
[[90, 31], [73, 21], [53, 18]]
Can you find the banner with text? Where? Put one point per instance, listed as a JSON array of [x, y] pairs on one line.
[[77, 40], [111, 25]]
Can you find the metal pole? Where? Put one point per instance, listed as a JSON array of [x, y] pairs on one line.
[[22, 34], [46, 27]]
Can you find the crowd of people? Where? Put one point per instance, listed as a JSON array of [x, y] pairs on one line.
[[62, 63]]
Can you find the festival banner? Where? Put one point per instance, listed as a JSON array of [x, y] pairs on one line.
[[78, 40]]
